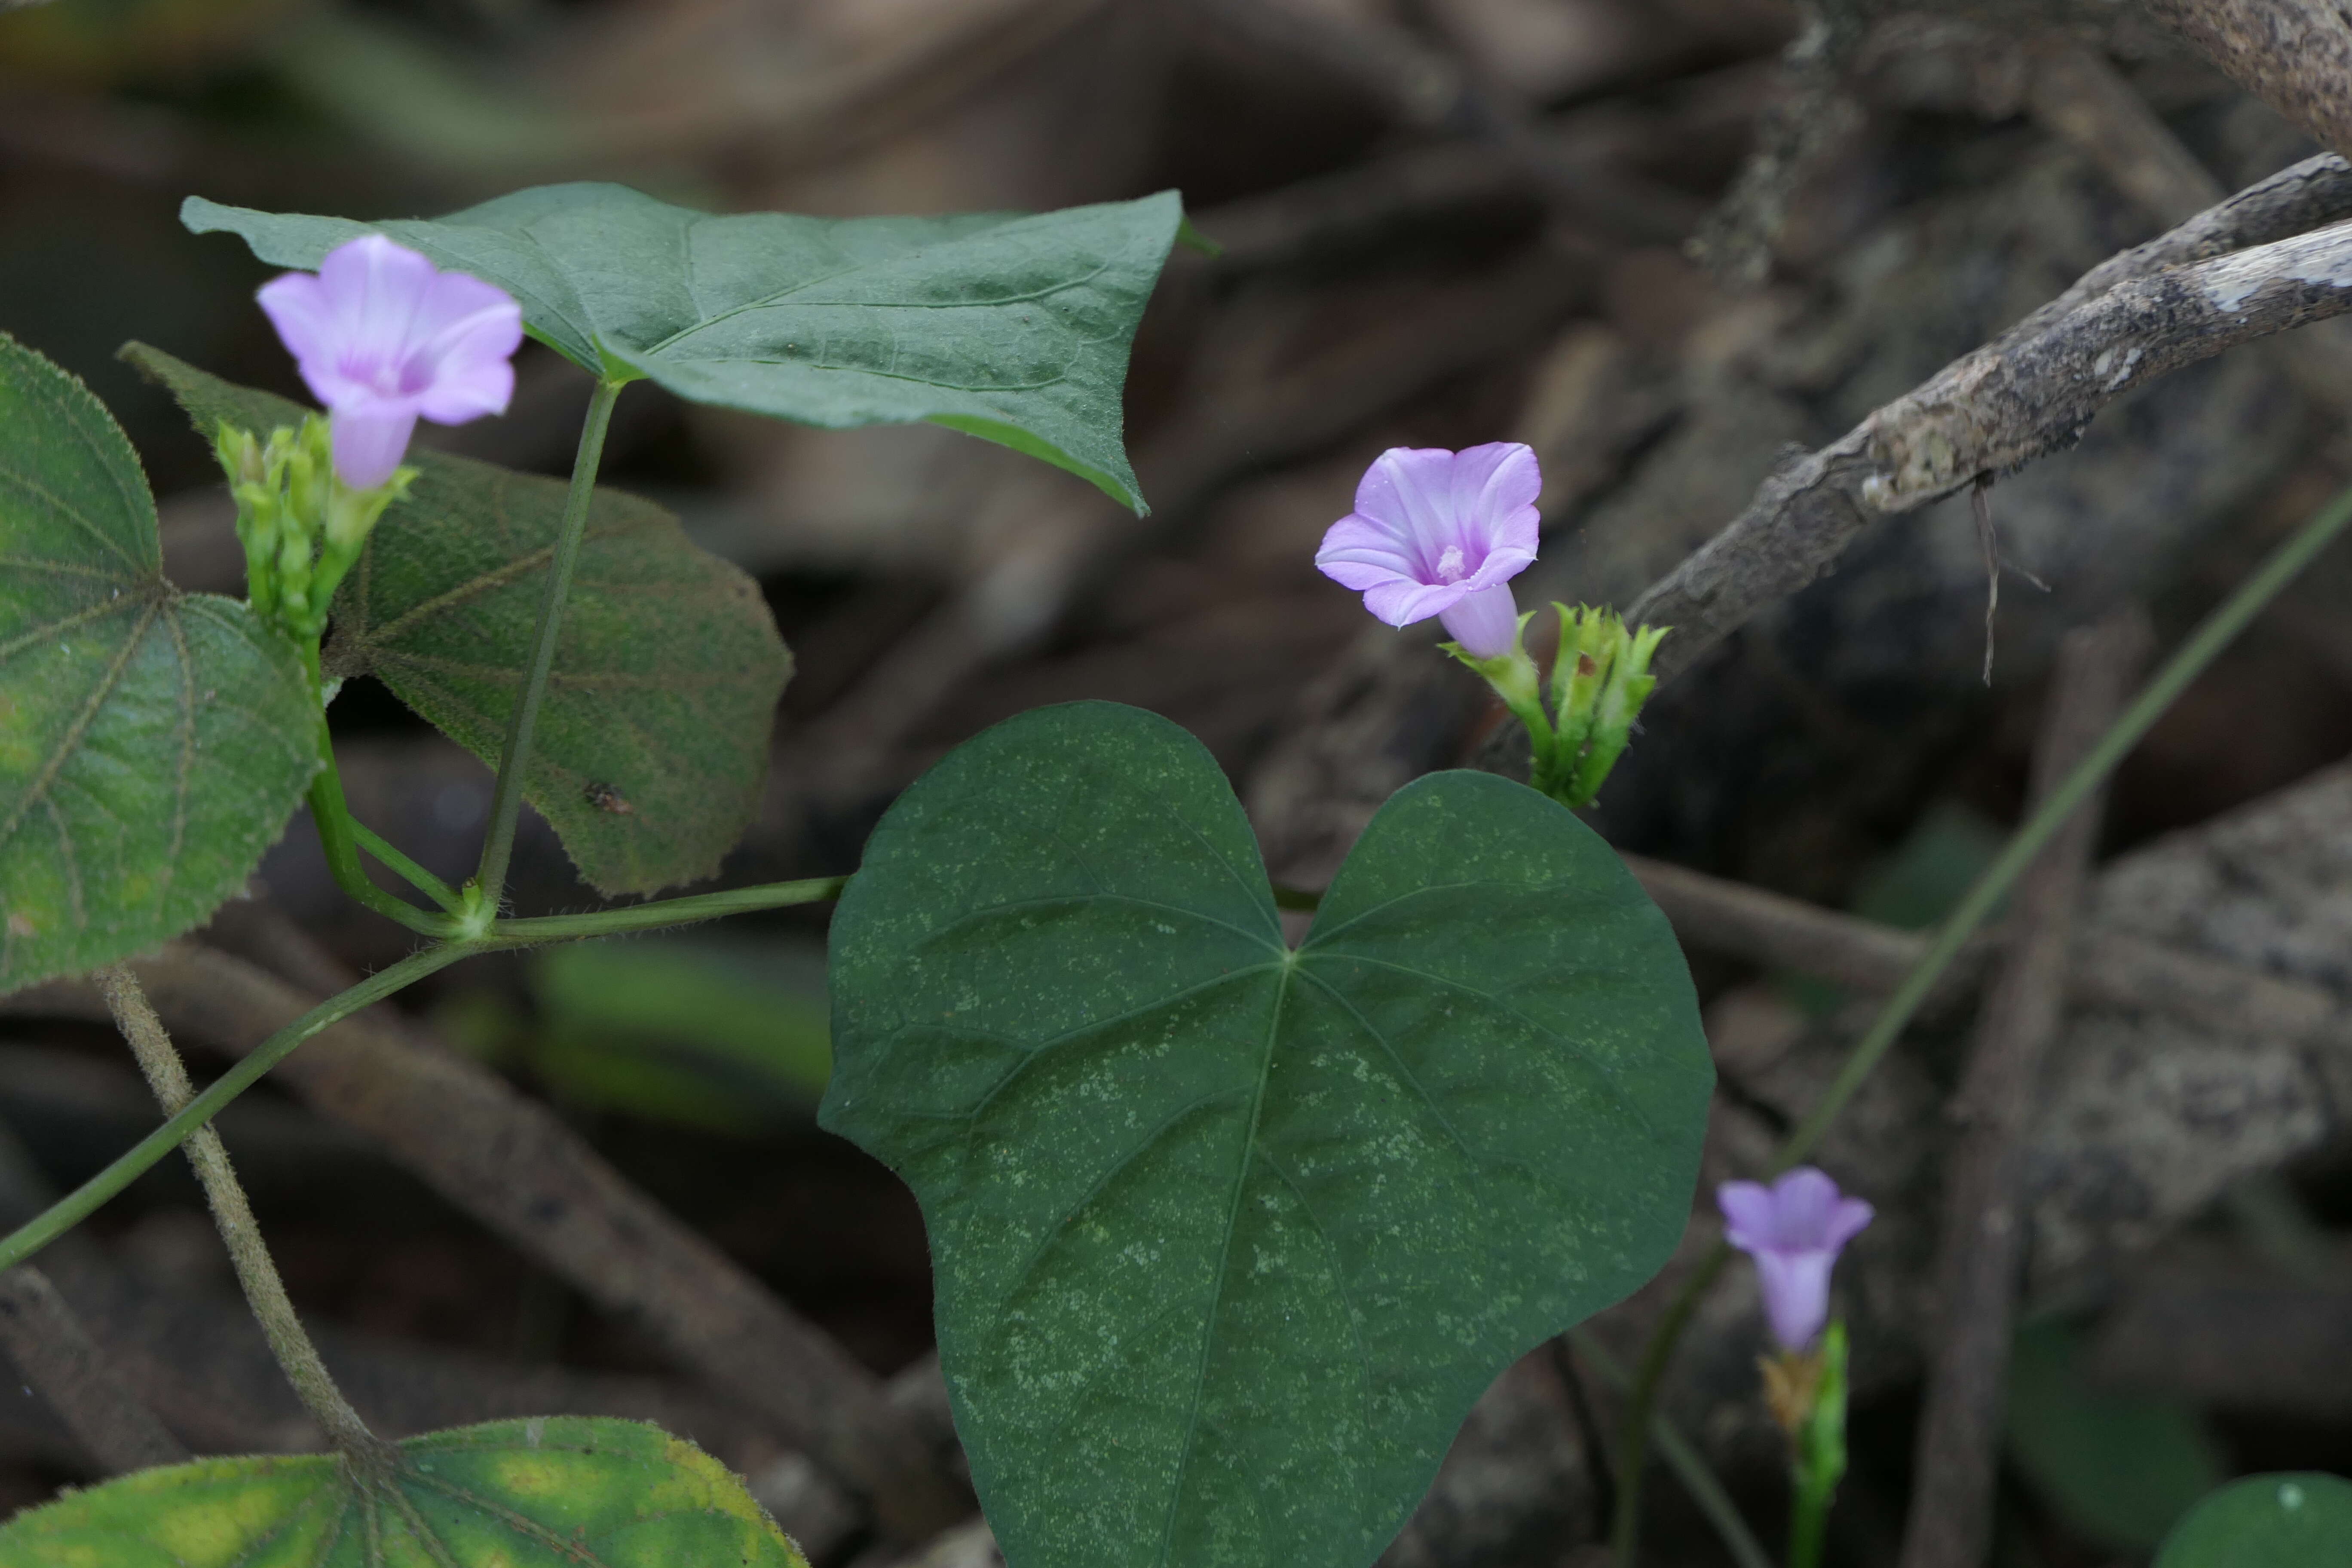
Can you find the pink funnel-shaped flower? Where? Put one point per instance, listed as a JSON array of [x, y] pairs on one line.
[[1441, 534], [381, 336], [1794, 1230]]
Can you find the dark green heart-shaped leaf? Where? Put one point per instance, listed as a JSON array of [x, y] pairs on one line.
[[1009, 326], [1230, 1236], [2302, 1520], [654, 736], [561, 1492], [152, 743]]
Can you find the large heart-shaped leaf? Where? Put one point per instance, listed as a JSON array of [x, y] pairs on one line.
[[1009, 326], [654, 736], [2295, 1520], [152, 743], [1230, 1236], [559, 1492]]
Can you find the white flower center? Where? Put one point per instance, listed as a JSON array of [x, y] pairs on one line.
[[1449, 565]]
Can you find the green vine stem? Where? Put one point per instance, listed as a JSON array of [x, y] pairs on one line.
[[503, 935], [264, 1290], [337, 833], [664, 912], [416, 876], [2212, 635], [506, 800], [84, 1200]]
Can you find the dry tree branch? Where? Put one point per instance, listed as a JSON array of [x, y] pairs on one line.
[[2109, 969], [2241, 270], [2295, 55], [1981, 1249], [47, 1341], [512, 1164], [2078, 96]]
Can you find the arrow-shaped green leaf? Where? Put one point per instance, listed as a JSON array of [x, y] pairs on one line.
[[1010, 326]]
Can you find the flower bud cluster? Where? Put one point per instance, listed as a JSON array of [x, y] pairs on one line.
[[301, 526], [1598, 682]]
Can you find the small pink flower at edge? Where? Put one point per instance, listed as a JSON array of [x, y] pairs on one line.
[[382, 336], [1794, 1230], [1441, 534]]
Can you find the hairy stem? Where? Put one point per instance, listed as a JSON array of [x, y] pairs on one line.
[[85, 1200], [265, 1292], [2214, 634], [505, 801]]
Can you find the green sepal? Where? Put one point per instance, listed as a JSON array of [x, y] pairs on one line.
[[1819, 1461], [1517, 681], [1628, 686], [1586, 650]]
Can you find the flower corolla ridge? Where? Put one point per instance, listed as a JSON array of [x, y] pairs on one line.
[[1794, 1230], [383, 337], [1442, 533]]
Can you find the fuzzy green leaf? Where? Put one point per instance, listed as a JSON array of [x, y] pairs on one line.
[[559, 1492], [1008, 326], [152, 743], [652, 740], [1230, 1236], [2301, 1521]]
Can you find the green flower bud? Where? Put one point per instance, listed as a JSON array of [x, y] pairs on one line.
[[1599, 683]]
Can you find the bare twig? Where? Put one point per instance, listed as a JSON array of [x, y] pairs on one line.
[[2076, 92], [1983, 1238], [514, 1165], [2031, 391], [1813, 114], [1980, 502], [49, 1346], [2295, 55], [2110, 968], [159, 1063]]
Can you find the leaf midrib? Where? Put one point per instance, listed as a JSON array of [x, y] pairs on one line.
[[1225, 1257]]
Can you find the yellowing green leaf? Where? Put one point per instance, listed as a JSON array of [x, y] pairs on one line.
[[557, 1493], [152, 743]]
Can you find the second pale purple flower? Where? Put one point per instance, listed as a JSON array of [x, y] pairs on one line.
[[383, 337], [1794, 1229], [1442, 533]]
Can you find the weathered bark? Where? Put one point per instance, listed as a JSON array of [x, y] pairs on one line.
[[2293, 55]]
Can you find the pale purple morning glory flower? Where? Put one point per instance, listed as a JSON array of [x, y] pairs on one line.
[[1441, 534], [381, 336], [1794, 1230]]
